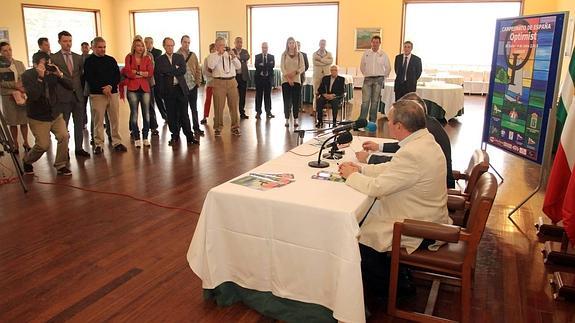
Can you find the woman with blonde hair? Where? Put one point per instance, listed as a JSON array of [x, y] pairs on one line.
[[138, 70], [10, 85], [292, 65]]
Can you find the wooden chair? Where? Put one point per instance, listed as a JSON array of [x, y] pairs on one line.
[[458, 200], [342, 111], [453, 263]]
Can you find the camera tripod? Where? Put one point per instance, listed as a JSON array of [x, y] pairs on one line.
[[8, 146]]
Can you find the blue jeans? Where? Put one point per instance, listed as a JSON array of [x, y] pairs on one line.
[[370, 97], [143, 99]]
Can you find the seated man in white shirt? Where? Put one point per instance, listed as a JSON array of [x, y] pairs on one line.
[[410, 186]]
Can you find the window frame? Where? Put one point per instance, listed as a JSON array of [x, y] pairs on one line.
[[96, 12], [133, 33], [249, 31]]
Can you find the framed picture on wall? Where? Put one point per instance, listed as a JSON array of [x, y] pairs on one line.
[[363, 37], [4, 35], [225, 35]]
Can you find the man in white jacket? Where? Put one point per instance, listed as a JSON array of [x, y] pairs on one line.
[[410, 186]]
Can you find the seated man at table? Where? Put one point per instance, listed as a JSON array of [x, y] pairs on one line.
[[410, 186], [331, 90], [432, 125]]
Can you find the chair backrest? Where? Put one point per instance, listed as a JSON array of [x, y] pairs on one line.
[[352, 71], [478, 164], [481, 203]]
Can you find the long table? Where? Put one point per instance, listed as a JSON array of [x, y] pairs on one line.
[[299, 241]]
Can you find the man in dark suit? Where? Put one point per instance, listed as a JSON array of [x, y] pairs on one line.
[[302, 75], [71, 101], [242, 75], [407, 70], [264, 76], [170, 69], [432, 125], [156, 96], [331, 90]]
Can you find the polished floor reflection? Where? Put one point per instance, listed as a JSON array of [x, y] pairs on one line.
[[79, 254]]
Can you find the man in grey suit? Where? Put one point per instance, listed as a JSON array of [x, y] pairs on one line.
[[71, 101], [242, 75]]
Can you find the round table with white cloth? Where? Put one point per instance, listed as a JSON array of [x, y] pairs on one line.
[[448, 96], [447, 78]]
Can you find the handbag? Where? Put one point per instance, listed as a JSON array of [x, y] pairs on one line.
[[19, 97]]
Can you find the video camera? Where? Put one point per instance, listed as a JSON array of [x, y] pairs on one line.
[[6, 74]]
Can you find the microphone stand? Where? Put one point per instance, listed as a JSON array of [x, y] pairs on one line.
[[321, 163]]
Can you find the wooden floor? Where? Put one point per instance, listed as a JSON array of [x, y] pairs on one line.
[[78, 254]]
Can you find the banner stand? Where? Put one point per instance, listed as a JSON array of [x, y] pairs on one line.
[[547, 154], [484, 148]]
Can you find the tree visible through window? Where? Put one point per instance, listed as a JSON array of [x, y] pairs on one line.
[[170, 23], [306, 23], [455, 34], [48, 22]]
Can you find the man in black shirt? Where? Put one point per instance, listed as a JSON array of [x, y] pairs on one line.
[[102, 76], [40, 83]]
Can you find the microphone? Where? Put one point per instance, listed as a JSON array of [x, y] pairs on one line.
[[342, 139], [345, 138], [359, 123]]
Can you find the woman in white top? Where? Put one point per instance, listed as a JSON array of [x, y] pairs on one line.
[[15, 114], [292, 65]]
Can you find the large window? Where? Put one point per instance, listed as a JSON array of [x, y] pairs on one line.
[[306, 23], [455, 34], [48, 22], [170, 23]]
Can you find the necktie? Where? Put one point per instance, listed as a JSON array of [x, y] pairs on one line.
[[69, 63], [405, 69], [265, 63]]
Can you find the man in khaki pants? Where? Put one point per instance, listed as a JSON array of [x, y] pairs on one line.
[[103, 75], [40, 83], [223, 64]]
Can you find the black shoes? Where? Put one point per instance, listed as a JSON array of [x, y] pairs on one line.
[[258, 116], [81, 153], [319, 125], [173, 141], [64, 171], [120, 148], [155, 132], [98, 150], [28, 168], [204, 121], [193, 140], [199, 132], [269, 116], [243, 116]]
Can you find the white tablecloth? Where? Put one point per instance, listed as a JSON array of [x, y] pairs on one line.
[[298, 241], [447, 78], [448, 96]]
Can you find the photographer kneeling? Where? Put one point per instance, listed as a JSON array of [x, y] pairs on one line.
[[40, 84]]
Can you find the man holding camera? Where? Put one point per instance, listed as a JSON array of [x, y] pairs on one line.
[[71, 102], [224, 63], [41, 84]]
